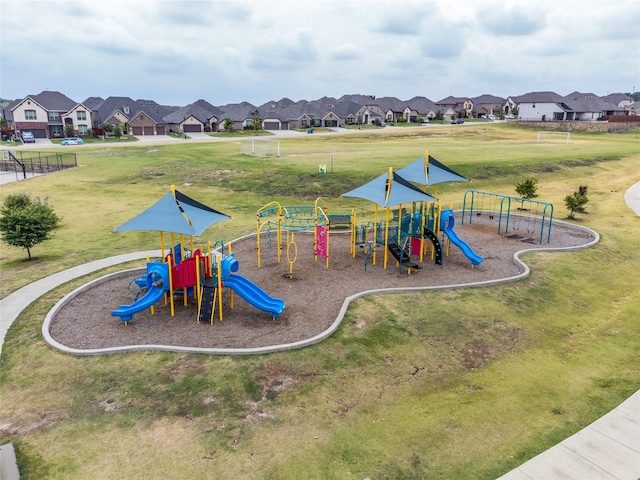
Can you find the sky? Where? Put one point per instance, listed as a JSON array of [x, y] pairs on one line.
[[229, 51]]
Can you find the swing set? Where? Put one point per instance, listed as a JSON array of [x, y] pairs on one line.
[[512, 212]]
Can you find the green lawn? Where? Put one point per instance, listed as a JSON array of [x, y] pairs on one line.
[[454, 384]]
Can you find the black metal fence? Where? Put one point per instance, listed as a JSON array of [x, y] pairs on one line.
[[36, 162]]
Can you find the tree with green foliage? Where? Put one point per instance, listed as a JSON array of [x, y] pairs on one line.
[[69, 131], [527, 188], [228, 125], [25, 222], [576, 201], [256, 124]]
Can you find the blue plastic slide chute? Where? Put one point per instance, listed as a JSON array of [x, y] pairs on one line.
[[157, 283], [447, 222], [249, 291]]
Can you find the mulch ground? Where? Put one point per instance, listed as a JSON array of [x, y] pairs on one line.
[[313, 294]]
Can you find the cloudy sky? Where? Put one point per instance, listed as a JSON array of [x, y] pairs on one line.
[[176, 52]]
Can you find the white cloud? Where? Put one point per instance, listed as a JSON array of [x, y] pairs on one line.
[[177, 51]]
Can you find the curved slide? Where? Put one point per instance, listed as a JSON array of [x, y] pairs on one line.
[[254, 295], [446, 224], [125, 312]]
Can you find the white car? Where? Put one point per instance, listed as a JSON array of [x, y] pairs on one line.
[[491, 117], [509, 116]]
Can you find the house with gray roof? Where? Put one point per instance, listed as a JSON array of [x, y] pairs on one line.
[[620, 99], [147, 118], [461, 107], [541, 106], [241, 114], [549, 106], [41, 114], [199, 116], [487, 105]]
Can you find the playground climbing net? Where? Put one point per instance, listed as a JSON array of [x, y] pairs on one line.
[[260, 147]]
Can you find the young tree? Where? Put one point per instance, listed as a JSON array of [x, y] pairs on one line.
[[228, 125], [25, 222], [576, 201], [256, 125], [527, 188]]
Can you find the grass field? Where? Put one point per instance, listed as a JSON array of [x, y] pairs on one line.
[[457, 384]]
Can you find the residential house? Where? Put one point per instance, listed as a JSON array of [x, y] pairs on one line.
[[620, 99], [487, 105], [461, 107], [420, 109], [541, 106], [148, 118], [241, 114], [393, 108], [588, 106], [113, 111], [78, 120], [41, 114], [634, 109], [199, 116]]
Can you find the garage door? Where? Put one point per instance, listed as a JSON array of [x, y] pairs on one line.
[[192, 128], [271, 125], [160, 129], [137, 130], [148, 131], [37, 132]]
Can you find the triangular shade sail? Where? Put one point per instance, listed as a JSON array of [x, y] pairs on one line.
[[401, 191], [179, 214], [438, 173]]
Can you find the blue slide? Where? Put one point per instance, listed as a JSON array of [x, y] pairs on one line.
[[446, 225], [125, 312], [255, 295], [156, 283]]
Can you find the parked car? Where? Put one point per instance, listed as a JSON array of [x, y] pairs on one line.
[[72, 141], [457, 121], [27, 137], [509, 116]]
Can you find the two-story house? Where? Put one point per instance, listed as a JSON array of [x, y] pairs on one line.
[[42, 114]]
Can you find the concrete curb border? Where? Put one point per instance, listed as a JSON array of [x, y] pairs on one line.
[[294, 345]]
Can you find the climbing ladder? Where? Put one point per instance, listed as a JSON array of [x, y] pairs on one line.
[[207, 306], [437, 246]]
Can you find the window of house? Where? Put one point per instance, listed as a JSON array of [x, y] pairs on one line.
[[54, 115], [82, 115], [30, 115], [83, 130]]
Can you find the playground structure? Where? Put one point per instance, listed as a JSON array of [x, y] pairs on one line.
[[403, 232], [276, 226], [409, 231], [186, 272], [414, 227], [198, 276], [515, 213]]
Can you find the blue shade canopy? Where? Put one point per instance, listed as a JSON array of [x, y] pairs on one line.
[[432, 173], [179, 214], [388, 190]]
